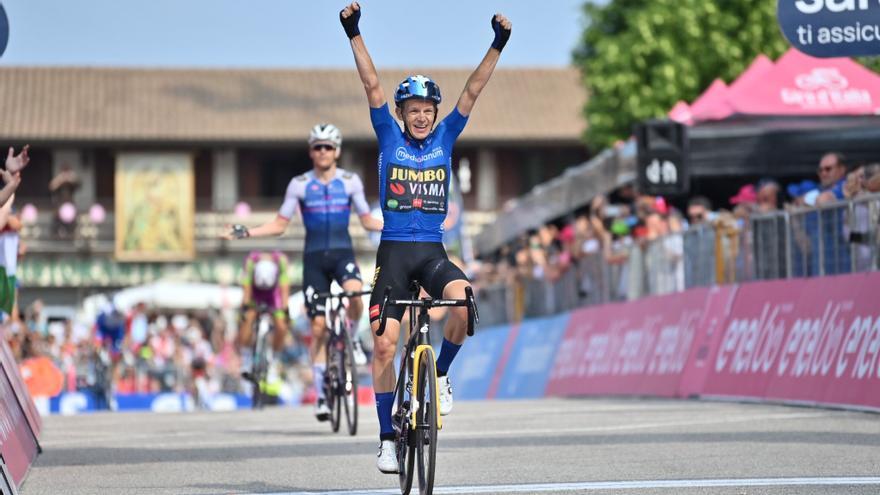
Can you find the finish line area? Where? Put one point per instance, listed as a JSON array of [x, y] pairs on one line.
[[530, 446]]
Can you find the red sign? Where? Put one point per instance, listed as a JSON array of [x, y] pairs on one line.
[[814, 341], [19, 421], [710, 330], [640, 348]]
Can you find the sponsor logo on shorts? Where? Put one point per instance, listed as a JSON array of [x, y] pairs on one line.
[[350, 267], [392, 204], [374, 311]]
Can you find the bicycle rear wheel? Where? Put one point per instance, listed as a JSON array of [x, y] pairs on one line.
[[348, 382], [332, 378], [426, 422]]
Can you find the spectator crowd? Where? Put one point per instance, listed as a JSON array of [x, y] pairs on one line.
[[627, 244]]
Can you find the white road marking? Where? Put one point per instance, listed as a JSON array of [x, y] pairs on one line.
[[307, 440], [622, 485]]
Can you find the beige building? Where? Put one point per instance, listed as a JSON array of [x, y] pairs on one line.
[[246, 132]]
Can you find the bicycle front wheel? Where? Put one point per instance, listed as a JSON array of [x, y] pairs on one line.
[[405, 444], [426, 422], [259, 370], [349, 383]]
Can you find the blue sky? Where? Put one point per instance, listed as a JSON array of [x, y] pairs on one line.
[[283, 33]]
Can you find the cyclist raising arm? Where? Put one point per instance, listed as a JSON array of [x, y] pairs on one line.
[[415, 166], [324, 196]]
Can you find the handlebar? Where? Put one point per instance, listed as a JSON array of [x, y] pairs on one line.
[[328, 295], [469, 301]]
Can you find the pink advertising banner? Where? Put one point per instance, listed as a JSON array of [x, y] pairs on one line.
[[19, 421], [811, 340], [636, 348], [710, 329]]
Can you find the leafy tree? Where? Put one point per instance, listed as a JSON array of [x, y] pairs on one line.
[[638, 57]]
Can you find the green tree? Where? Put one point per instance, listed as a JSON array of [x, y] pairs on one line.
[[638, 57]]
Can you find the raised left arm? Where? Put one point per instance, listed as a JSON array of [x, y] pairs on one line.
[[480, 77]]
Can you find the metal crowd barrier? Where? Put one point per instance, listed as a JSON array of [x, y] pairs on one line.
[[804, 242]]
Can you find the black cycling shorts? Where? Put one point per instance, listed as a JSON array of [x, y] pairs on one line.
[[399, 262], [321, 268]]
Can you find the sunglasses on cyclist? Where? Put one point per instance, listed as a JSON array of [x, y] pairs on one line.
[[323, 147]]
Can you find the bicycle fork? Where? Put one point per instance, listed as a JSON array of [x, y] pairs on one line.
[[415, 404]]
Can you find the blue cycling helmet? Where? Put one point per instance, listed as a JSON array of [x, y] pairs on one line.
[[417, 86]]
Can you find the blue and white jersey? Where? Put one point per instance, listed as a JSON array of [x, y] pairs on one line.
[[414, 177], [325, 208]]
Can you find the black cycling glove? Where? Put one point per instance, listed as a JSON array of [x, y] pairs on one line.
[[501, 35], [350, 24]]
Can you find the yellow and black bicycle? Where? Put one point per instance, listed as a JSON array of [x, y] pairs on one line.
[[416, 416]]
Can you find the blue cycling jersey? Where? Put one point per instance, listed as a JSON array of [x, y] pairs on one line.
[[414, 177], [326, 208]]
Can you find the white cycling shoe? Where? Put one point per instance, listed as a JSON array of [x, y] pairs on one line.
[[360, 358], [445, 392], [322, 412], [387, 459]]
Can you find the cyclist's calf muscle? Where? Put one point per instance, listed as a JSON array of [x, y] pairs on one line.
[[384, 349]]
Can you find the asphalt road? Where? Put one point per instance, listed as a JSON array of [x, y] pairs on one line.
[[597, 446]]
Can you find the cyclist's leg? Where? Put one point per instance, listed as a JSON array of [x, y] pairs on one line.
[[349, 277], [245, 339], [315, 281], [444, 279], [281, 330], [390, 271]]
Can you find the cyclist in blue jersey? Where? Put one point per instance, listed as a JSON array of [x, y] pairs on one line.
[[415, 165], [324, 197]]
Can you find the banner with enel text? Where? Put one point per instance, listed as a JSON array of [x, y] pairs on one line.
[[813, 341], [635, 348], [19, 422]]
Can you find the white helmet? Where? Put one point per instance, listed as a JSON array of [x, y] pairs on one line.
[[265, 274], [325, 133]]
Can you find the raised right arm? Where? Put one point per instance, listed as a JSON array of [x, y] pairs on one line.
[[349, 17]]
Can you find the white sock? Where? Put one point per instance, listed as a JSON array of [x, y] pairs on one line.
[[318, 370]]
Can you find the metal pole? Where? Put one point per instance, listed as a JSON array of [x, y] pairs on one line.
[[853, 247], [788, 248], [821, 233]]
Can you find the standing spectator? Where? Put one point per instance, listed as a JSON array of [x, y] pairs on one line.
[[872, 178], [767, 195], [699, 211], [832, 176], [62, 187], [835, 253]]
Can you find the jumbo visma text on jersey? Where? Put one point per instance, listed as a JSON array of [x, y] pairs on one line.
[[423, 190]]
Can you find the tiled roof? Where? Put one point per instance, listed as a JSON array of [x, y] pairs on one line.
[[252, 106]]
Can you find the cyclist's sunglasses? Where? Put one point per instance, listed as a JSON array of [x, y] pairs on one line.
[[323, 147]]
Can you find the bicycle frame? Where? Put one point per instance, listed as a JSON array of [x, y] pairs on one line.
[[419, 339]]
